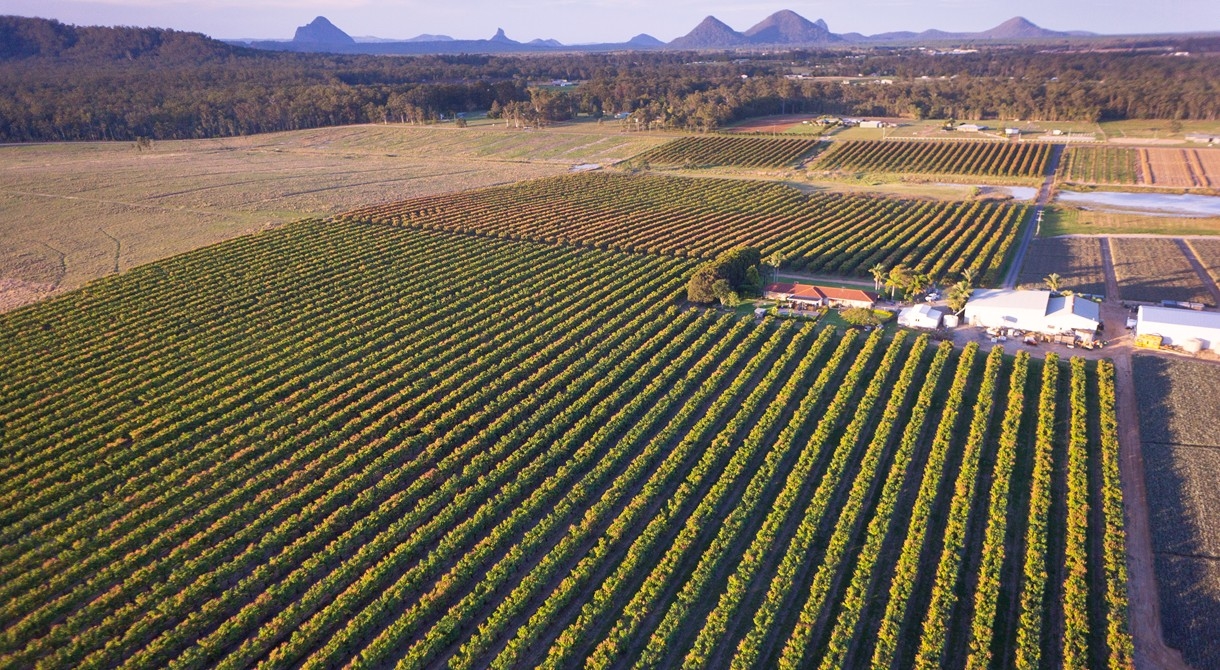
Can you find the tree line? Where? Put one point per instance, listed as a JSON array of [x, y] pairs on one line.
[[60, 82]]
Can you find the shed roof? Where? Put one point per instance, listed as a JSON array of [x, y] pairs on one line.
[[1002, 299], [1178, 317]]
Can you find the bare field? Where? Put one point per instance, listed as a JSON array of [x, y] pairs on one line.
[[1181, 432], [1076, 259], [1155, 269], [1208, 253], [70, 213]]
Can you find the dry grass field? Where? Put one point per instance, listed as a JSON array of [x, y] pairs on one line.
[[70, 213], [1155, 269], [1077, 260], [1180, 429]]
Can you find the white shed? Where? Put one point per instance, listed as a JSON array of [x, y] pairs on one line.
[[1000, 308], [920, 316], [1179, 326], [1034, 311], [1070, 313]]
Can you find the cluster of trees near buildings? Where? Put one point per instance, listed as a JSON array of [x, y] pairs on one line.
[[61, 82]]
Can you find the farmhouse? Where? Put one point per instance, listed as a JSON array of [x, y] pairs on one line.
[[920, 316], [820, 296], [1033, 311], [1179, 326]]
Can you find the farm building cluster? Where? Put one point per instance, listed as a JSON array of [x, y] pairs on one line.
[[1034, 312]]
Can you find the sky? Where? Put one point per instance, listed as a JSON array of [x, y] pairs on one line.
[[584, 21]]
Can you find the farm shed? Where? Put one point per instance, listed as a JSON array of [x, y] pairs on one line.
[[920, 316], [820, 296], [970, 128], [1178, 326], [1033, 311], [1202, 137]]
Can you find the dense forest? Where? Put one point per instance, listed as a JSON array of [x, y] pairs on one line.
[[60, 82]]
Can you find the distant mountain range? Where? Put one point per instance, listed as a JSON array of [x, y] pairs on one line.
[[784, 28]]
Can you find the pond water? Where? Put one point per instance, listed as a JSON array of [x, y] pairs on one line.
[[1016, 192], [1164, 204]]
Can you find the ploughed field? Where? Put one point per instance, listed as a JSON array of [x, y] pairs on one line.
[[819, 233], [1077, 260], [339, 443], [1155, 269], [1180, 429], [982, 159], [732, 151]]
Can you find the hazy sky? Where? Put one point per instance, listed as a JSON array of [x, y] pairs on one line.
[[577, 21]]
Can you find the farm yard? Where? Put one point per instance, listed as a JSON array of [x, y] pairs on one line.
[[752, 152], [1180, 430], [206, 464], [1171, 168], [1008, 160], [1077, 260], [1155, 269], [823, 234]]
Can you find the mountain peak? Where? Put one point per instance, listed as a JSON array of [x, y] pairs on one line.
[[321, 31], [711, 33], [788, 27], [1019, 27], [501, 37]]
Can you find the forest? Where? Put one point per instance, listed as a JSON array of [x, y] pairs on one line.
[[60, 82]]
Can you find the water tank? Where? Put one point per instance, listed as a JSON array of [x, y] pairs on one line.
[[950, 321]]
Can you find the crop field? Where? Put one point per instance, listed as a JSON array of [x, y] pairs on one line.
[[75, 212], [827, 234], [1208, 253], [1100, 165], [338, 443], [1152, 270], [1066, 220], [982, 159], [1077, 260], [1181, 433], [1173, 168], [734, 151]]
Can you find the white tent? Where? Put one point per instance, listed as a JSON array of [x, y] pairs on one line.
[[920, 316]]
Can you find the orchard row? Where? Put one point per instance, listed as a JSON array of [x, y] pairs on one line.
[[352, 444]]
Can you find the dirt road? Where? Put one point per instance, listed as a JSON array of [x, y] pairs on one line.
[[1035, 216]]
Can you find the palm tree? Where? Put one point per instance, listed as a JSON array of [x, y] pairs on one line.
[[969, 275], [899, 277], [775, 260], [958, 295], [879, 273], [1052, 282], [918, 283]]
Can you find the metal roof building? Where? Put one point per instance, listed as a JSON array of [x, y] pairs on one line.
[[1033, 311], [1177, 326]]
